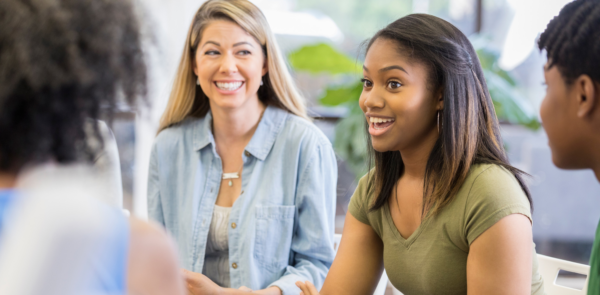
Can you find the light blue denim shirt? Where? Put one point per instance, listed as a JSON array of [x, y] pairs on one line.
[[284, 217]]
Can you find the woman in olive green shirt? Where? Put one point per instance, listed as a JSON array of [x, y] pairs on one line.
[[571, 109], [442, 209]]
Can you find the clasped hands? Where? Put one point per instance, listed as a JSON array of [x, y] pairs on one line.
[[199, 284]]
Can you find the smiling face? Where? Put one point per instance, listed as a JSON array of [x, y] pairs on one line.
[[229, 64], [400, 108]]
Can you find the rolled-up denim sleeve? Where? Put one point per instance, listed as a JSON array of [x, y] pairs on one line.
[[155, 211], [312, 243]]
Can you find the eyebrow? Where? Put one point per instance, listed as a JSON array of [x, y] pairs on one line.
[[388, 69], [392, 68], [234, 45]]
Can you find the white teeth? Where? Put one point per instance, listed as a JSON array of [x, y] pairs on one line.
[[229, 86], [380, 120]]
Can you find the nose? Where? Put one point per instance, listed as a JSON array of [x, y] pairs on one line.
[[228, 64], [371, 100]]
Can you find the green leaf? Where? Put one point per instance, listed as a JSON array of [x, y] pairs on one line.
[[351, 141], [509, 104], [322, 58], [339, 95]]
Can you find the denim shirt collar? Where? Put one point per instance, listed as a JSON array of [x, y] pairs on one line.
[[262, 141]]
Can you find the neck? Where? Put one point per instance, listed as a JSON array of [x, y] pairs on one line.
[[7, 180], [595, 157], [236, 125], [415, 157]]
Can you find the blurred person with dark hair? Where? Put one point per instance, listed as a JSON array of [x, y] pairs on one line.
[[63, 64], [442, 208], [570, 111]]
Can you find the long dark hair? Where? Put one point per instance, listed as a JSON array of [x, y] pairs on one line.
[[469, 130]]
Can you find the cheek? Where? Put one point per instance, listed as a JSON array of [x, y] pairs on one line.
[[544, 109], [361, 102]]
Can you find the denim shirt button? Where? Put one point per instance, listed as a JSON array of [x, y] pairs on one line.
[[247, 153], [234, 265], [233, 225]]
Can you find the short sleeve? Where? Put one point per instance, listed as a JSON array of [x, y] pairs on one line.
[[494, 194], [359, 203]]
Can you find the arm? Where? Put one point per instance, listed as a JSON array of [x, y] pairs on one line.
[[500, 258], [312, 242], [358, 264], [152, 262], [155, 211]]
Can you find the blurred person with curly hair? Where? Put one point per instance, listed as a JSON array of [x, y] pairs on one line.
[[63, 65], [570, 111]]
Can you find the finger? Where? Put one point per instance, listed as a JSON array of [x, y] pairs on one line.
[[312, 288], [185, 273], [303, 287]]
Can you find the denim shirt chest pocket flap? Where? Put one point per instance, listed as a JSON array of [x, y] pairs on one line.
[[274, 231]]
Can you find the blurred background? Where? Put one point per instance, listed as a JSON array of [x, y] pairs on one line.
[[322, 42]]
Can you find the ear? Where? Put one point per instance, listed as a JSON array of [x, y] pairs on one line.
[[265, 68], [439, 95], [586, 95], [194, 66]]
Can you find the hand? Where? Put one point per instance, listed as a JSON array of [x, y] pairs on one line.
[[307, 288], [199, 284], [245, 289]]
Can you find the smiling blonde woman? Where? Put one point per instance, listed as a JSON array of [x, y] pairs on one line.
[[238, 174]]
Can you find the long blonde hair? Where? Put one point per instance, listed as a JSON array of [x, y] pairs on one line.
[[188, 99]]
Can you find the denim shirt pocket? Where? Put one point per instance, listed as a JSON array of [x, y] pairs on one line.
[[274, 231]]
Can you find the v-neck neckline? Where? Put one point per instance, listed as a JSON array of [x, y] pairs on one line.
[[407, 242]]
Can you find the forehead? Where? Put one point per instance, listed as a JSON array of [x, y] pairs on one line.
[[552, 74], [224, 32], [383, 52]]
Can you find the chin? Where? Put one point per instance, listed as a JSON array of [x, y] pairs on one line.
[[229, 103], [568, 162], [380, 146]]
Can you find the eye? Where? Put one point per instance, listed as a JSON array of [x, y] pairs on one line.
[[366, 83], [245, 52], [394, 84], [211, 52]]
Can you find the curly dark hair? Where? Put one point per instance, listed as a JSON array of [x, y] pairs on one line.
[[63, 65], [572, 40]]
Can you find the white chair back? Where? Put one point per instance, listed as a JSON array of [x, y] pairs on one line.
[[383, 281], [549, 268]]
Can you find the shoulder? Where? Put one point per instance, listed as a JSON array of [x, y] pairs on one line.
[[177, 133], [363, 194], [492, 178], [152, 259], [300, 129], [495, 188]]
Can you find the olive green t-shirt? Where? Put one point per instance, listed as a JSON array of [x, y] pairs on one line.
[[433, 260]]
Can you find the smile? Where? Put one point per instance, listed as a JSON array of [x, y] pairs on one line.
[[229, 86], [380, 123]]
